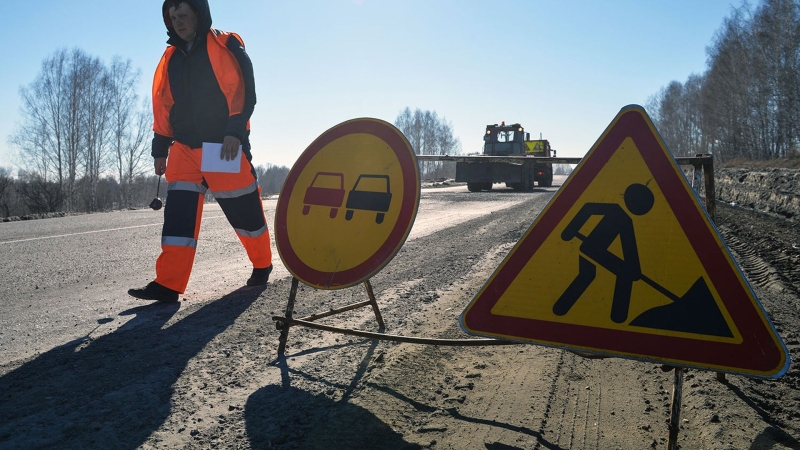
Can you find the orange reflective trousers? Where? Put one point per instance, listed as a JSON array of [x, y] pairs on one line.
[[239, 198]]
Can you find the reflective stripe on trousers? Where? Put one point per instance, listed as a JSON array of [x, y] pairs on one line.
[[239, 198]]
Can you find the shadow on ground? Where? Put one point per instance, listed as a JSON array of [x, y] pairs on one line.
[[285, 418], [113, 391]]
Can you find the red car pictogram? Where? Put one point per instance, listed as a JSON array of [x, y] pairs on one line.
[[325, 196]]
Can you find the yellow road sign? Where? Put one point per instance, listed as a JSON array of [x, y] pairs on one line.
[[624, 261], [348, 204]]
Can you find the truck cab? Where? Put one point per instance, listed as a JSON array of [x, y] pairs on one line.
[[508, 140], [504, 140]]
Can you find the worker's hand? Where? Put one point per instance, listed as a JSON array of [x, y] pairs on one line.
[[160, 165], [230, 148]]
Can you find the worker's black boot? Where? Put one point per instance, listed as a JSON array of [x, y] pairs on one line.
[[154, 291], [259, 277]]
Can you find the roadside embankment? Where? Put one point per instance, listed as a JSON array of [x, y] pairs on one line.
[[770, 190]]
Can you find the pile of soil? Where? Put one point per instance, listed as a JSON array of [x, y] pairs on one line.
[[769, 190]]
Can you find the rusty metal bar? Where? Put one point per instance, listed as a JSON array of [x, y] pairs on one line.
[[506, 159], [392, 337], [707, 167], [697, 176], [283, 326], [412, 340], [711, 193], [675, 410], [701, 159], [285, 323], [681, 160], [371, 302], [332, 312], [374, 303]]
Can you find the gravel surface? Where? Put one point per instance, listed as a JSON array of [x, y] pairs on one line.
[[205, 373]]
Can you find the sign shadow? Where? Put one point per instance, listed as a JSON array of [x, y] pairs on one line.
[[290, 417]]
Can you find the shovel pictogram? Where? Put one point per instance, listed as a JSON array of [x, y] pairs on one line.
[[694, 312]]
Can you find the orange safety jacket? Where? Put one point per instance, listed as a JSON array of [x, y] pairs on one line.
[[228, 72]]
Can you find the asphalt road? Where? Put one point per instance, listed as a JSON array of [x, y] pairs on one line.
[[66, 278]]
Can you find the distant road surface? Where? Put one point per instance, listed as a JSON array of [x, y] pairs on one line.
[[65, 277]]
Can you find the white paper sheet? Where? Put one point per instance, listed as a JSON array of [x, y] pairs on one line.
[[211, 161]]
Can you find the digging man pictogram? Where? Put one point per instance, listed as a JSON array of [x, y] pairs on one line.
[[615, 222], [694, 312]]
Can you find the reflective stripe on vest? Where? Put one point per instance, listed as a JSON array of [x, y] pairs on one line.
[[236, 193]]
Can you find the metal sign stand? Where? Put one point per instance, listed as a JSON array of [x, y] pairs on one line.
[[284, 323], [675, 409], [287, 321], [703, 170]]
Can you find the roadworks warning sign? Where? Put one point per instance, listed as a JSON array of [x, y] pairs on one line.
[[624, 261]]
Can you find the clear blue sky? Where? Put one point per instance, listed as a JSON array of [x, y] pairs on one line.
[[562, 68]]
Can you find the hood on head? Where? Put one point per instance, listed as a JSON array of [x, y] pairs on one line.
[[203, 16]]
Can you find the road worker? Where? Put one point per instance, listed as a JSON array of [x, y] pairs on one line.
[[203, 92]]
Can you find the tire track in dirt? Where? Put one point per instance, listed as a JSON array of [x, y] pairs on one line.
[[765, 248], [758, 271]]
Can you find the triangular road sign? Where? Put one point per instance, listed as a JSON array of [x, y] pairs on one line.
[[624, 261]]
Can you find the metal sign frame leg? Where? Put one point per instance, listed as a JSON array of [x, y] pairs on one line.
[[284, 327], [286, 322], [675, 410], [374, 303]]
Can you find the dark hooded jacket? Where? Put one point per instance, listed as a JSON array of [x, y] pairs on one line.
[[200, 112]]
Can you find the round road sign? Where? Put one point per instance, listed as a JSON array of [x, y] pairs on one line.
[[348, 204]]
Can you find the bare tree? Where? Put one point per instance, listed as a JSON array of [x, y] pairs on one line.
[[6, 185], [81, 120], [747, 103], [271, 178], [429, 134], [677, 115], [775, 31], [38, 194], [96, 109], [41, 138], [75, 120], [129, 126]]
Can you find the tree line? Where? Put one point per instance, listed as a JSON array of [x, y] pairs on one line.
[[83, 141], [746, 105], [429, 134]]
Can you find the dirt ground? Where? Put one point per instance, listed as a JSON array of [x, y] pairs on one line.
[[207, 375]]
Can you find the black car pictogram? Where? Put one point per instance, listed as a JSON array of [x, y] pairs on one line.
[[369, 200]]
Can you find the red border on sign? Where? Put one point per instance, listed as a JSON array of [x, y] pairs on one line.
[[362, 272], [759, 351]]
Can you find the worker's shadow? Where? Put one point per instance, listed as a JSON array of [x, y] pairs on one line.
[[113, 391]]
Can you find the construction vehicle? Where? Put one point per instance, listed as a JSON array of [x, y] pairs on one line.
[[519, 173]]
